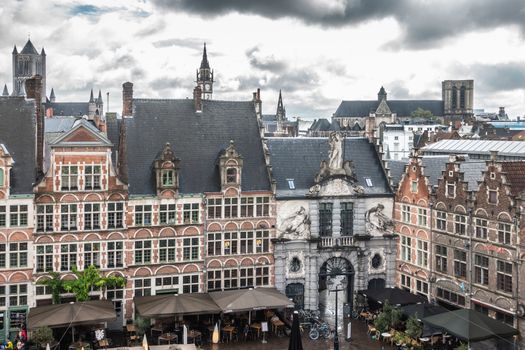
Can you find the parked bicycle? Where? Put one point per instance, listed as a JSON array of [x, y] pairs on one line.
[[320, 328]]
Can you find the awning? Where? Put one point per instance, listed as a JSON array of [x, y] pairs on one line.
[[74, 313], [470, 325], [176, 304], [424, 310], [395, 296], [251, 299]]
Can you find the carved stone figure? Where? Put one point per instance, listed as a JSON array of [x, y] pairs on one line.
[[324, 172], [296, 226], [375, 218], [336, 152], [348, 167]]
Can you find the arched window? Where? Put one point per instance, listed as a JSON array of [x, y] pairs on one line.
[[2, 178], [454, 102], [231, 175], [462, 97]]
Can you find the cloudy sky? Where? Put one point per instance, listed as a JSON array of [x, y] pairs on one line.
[[317, 51]]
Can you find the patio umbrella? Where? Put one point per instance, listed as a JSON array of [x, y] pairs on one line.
[[470, 325], [250, 299], [158, 306], [395, 296], [424, 310], [295, 337], [74, 313]]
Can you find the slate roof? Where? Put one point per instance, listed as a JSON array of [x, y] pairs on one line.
[[112, 127], [197, 139], [299, 159], [403, 108], [17, 133], [515, 175], [68, 108], [321, 124], [29, 49], [269, 118], [482, 147]]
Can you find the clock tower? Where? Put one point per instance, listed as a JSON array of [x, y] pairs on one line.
[[205, 77]]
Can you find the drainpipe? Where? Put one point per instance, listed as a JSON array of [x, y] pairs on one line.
[[431, 246], [470, 255]]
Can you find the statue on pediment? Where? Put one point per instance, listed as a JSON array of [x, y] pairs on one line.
[[376, 219], [296, 226], [335, 162]]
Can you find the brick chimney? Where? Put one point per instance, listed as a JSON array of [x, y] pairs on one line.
[[257, 103], [197, 99], [33, 87], [127, 99]]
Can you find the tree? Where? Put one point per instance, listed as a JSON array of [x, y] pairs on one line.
[[422, 113], [413, 327], [42, 336], [56, 285], [89, 278]]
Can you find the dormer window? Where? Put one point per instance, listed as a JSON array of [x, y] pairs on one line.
[[231, 175], [93, 174], [168, 177], [69, 178]]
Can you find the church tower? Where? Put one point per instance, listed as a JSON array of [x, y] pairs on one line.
[[26, 64], [205, 77], [280, 114]]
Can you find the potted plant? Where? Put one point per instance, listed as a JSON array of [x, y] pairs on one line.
[[42, 336], [413, 327]]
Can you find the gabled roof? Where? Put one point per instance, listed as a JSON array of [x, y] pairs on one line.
[[320, 124], [515, 175], [17, 133], [29, 49], [74, 109], [299, 159], [403, 108], [197, 140], [82, 133]]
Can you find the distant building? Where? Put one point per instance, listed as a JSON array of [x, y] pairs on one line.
[[398, 139], [27, 63], [278, 124], [477, 149]]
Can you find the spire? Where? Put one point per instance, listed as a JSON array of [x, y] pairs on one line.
[[43, 52], [29, 49], [15, 51], [99, 99], [91, 99], [281, 112], [204, 62], [5, 93], [52, 96], [381, 94]]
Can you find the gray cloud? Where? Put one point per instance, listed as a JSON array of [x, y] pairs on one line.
[[268, 62], [291, 81], [191, 43], [424, 24], [498, 77]]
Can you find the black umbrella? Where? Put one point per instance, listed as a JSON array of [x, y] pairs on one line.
[[424, 310], [395, 296], [295, 337]]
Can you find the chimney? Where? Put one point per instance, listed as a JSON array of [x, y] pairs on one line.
[[197, 99], [122, 159], [127, 99], [258, 103], [493, 155], [33, 87]]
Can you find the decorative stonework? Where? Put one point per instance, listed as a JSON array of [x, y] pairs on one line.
[[295, 225], [336, 187], [299, 255], [381, 254], [377, 223]]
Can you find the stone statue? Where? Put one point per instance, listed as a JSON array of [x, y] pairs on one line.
[[324, 172], [376, 219], [348, 167], [336, 151], [297, 225]]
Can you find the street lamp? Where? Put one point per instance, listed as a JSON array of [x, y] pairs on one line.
[[336, 337]]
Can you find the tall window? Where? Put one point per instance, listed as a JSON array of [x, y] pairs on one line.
[[422, 253], [481, 269], [68, 217], [91, 216], [142, 252], [246, 277], [92, 254], [450, 190], [441, 258], [167, 250], [68, 256], [231, 278], [231, 243], [18, 215], [17, 254], [214, 280], [493, 197], [262, 206], [421, 287], [460, 263], [214, 244], [92, 176], [214, 208], [325, 219], [450, 296], [504, 233], [190, 283], [230, 207], [413, 187], [460, 224], [115, 215], [17, 295], [454, 101], [347, 219], [247, 207], [3, 215], [231, 175], [441, 220], [44, 218], [142, 287], [262, 276], [115, 254], [462, 97], [247, 242], [143, 215], [190, 213], [406, 282], [69, 178], [262, 241], [406, 248], [168, 214], [422, 217], [3, 255], [190, 249], [405, 213], [1, 177], [44, 258], [504, 276], [481, 228], [168, 177]]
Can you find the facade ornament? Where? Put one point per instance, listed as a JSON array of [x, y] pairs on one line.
[[296, 226], [336, 152], [335, 166], [377, 220]]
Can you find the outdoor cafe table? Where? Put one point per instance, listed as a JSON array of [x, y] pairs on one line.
[[168, 337], [229, 330], [193, 335], [256, 327]]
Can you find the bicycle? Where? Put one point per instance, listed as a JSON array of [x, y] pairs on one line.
[[320, 329]]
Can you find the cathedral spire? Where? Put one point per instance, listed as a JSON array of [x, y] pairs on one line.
[[5, 93], [281, 111], [204, 62], [91, 99], [52, 95], [99, 99], [15, 51], [381, 95]]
